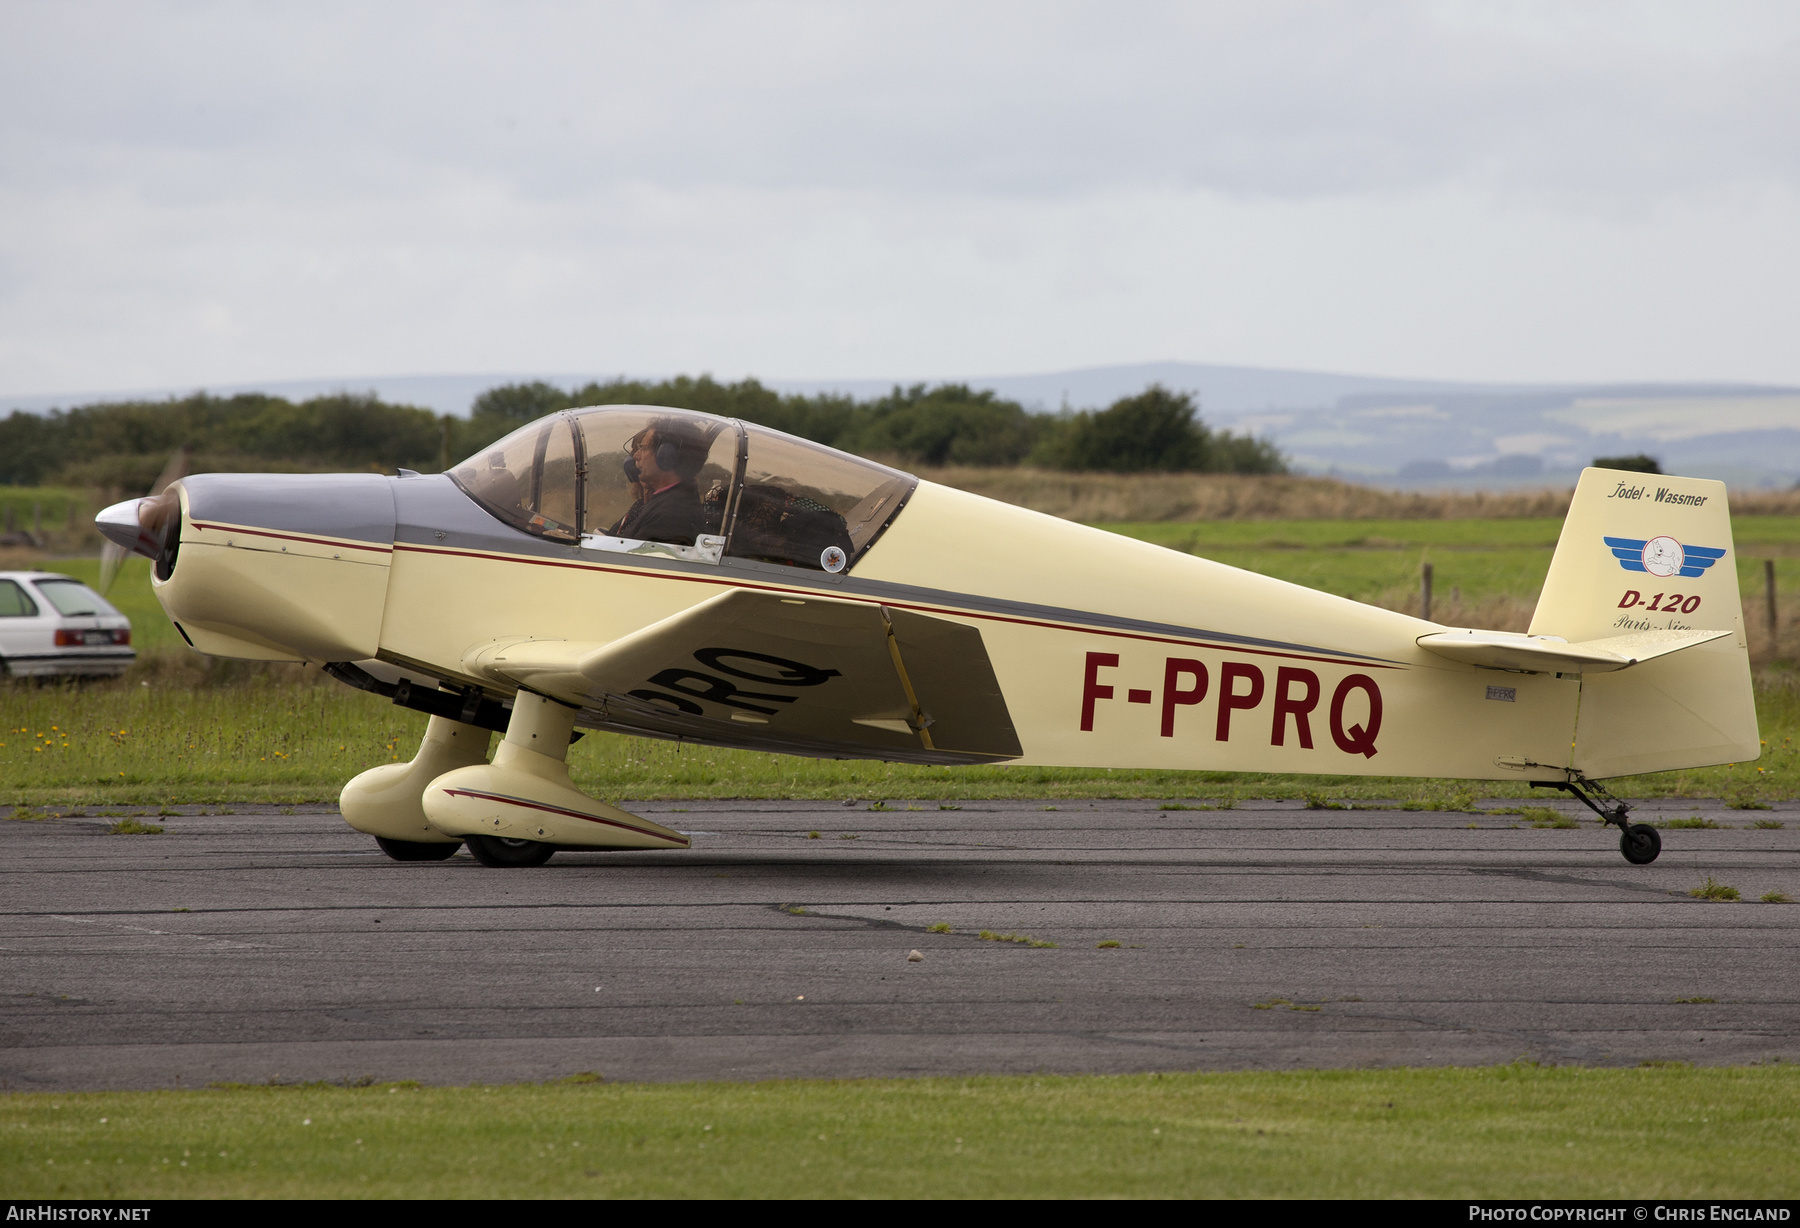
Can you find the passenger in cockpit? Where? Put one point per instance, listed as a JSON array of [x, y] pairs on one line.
[[662, 462]]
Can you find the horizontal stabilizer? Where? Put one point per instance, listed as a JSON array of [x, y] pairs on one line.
[[1548, 654]]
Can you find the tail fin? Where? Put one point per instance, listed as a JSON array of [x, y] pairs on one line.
[[1638, 553]]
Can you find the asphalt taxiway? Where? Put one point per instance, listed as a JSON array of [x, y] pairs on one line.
[[264, 945]]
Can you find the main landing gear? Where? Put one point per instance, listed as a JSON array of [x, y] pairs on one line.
[[517, 810], [522, 807], [1639, 842], [385, 801]]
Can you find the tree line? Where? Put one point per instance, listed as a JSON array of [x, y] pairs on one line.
[[124, 444], [949, 424]]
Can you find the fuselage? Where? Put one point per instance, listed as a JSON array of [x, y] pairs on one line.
[[1110, 652]]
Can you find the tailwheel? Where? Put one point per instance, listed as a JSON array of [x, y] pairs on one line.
[[500, 851], [416, 850], [1640, 843]]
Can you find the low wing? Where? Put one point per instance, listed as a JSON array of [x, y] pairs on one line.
[[1542, 654], [815, 676]]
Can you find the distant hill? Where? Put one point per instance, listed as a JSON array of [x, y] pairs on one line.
[[1747, 436], [1223, 391], [1420, 433]]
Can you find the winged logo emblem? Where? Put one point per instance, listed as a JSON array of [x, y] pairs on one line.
[[1662, 556]]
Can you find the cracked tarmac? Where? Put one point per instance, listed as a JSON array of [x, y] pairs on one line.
[[259, 945]]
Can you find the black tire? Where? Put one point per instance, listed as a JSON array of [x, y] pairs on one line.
[[498, 851], [415, 850], [1640, 843]]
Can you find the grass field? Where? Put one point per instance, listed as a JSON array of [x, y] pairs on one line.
[[1496, 1132], [174, 732], [1474, 561], [60, 517], [1125, 497]]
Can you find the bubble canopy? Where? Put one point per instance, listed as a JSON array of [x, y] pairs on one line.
[[637, 479]]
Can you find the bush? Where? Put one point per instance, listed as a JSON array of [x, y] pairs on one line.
[[1156, 430], [949, 425], [1631, 464], [119, 443]]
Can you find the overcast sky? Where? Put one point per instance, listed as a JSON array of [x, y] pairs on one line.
[[203, 193]]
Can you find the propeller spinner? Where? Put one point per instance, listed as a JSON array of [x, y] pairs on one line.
[[150, 526]]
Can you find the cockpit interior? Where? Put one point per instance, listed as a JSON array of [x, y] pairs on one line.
[[684, 485]]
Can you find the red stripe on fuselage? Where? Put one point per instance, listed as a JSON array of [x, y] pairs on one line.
[[573, 814], [290, 537]]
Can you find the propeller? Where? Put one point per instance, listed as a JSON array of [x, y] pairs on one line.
[[140, 526]]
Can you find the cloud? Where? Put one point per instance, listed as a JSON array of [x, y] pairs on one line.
[[1031, 99], [204, 191]]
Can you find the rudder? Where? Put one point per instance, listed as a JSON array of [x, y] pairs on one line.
[[1642, 552]]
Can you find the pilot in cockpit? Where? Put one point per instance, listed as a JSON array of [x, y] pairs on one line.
[[662, 462]]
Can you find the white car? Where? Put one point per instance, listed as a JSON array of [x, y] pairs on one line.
[[51, 624]]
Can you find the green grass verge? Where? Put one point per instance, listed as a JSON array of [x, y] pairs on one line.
[[1496, 1132]]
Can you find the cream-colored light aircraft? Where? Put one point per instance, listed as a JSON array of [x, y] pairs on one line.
[[675, 575]]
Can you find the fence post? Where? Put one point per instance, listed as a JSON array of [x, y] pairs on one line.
[[1769, 591], [1425, 591]]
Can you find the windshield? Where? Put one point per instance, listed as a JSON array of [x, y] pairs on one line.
[[72, 598], [526, 481], [641, 479]]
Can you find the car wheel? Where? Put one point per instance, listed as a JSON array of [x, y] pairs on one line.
[[499, 851], [416, 850]]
